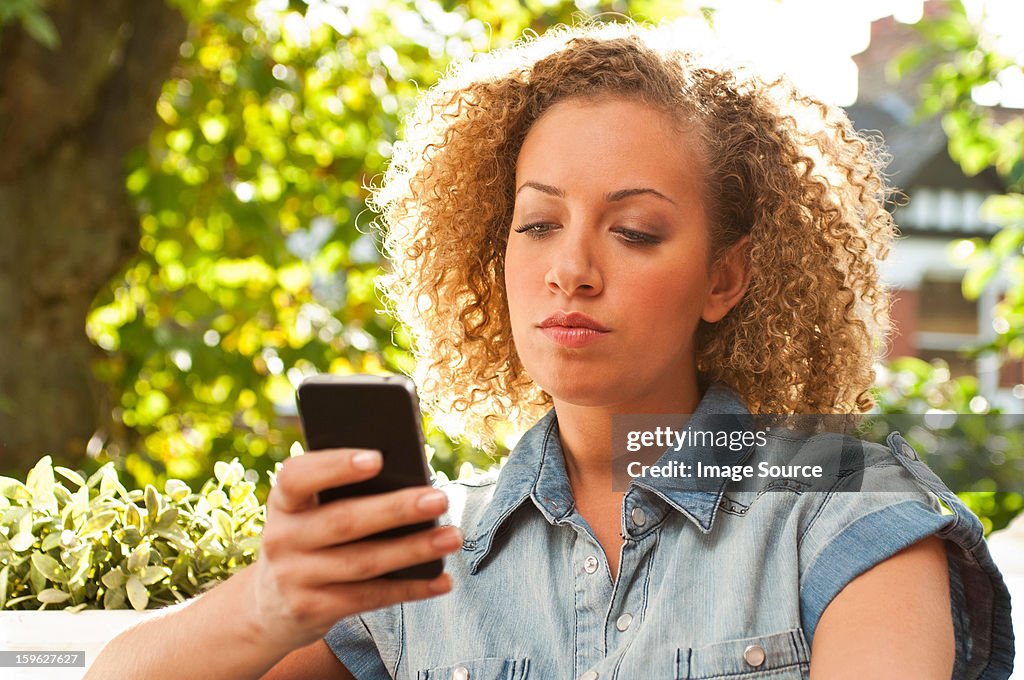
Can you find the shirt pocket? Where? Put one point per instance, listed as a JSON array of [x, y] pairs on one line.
[[778, 656], [491, 668]]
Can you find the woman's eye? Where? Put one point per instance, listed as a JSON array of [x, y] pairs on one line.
[[638, 237], [535, 230]]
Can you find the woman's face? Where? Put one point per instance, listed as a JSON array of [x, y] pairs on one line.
[[608, 223]]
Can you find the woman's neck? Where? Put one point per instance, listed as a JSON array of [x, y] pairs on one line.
[[586, 433]]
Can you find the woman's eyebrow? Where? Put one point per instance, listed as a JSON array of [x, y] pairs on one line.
[[545, 188], [612, 196], [626, 193]]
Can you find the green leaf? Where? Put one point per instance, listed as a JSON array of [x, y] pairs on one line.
[[129, 536], [80, 502], [220, 471], [3, 585], [151, 575], [51, 541], [40, 483], [977, 278], [22, 541], [178, 538], [113, 598], [62, 495], [36, 577], [53, 596], [132, 516], [217, 498], [222, 525], [152, 505], [1008, 241], [1001, 208], [249, 544], [240, 492], [98, 523], [84, 563], [236, 471], [167, 519], [13, 489], [39, 26], [114, 578], [177, 490], [110, 485], [49, 567], [69, 475], [17, 600], [98, 476], [137, 593], [139, 557]]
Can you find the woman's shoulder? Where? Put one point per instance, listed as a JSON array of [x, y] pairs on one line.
[[833, 462], [891, 501], [848, 485]]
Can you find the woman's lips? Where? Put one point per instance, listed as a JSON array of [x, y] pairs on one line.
[[569, 336]]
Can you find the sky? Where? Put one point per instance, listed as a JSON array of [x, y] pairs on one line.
[[812, 41], [784, 33]]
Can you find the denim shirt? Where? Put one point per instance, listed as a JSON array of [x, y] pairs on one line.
[[711, 584]]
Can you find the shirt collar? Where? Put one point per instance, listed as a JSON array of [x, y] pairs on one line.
[[535, 469], [720, 410]]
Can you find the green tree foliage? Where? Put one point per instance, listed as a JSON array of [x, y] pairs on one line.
[[31, 16], [961, 57], [257, 260], [975, 448], [965, 58]]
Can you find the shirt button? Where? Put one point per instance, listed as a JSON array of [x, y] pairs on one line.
[[589, 675], [590, 564], [754, 655], [622, 623], [460, 673], [639, 517]]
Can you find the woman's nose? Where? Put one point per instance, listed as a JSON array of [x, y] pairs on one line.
[[573, 269]]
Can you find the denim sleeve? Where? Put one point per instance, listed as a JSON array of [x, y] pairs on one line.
[[851, 531], [368, 644]]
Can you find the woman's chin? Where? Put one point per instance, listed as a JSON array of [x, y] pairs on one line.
[[589, 393]]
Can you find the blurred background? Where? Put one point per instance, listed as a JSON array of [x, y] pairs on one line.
[[183, 234]]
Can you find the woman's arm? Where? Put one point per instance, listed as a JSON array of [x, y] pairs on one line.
[[201, 629], [209, 636], [313, 662], [314, 569], [892, 621]]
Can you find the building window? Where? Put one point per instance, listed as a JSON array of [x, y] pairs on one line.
[[947, 323]]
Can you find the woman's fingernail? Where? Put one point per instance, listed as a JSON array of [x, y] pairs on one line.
[[366, 460], [442, 584], [449, 539], [431, 501]]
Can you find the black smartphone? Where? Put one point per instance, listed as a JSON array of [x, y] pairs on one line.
[[371, 412]]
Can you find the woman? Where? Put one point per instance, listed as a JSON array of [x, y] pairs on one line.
[[586, 225]]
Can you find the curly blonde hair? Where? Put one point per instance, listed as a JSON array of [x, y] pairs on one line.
[[786, 169]]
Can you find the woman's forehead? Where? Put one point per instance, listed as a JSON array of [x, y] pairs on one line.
[[602, 146]]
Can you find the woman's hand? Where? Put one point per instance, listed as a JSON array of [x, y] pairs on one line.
[[312, 571]]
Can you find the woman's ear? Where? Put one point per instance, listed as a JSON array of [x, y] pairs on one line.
[[730, 275]]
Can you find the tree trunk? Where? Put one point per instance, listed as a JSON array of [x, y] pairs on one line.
[[67, 225]]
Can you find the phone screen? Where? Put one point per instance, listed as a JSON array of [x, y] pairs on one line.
[[371, 412]]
